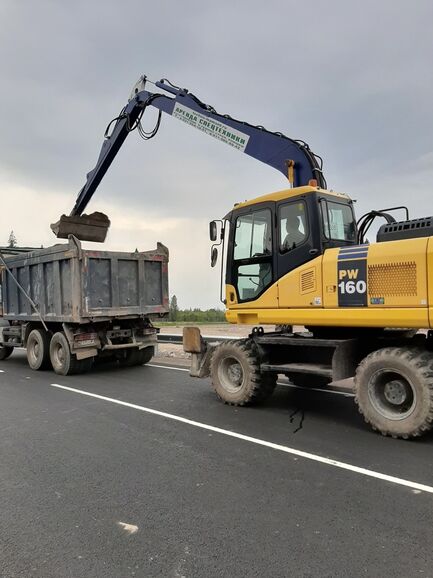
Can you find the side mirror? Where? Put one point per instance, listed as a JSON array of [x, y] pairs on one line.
[[213, 231], [213, 256]]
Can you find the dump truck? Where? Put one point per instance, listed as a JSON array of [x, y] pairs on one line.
[[68, 306]]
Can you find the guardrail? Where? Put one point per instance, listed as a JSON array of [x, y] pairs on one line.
[[177, 339]]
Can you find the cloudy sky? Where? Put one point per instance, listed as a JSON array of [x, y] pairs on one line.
[[354, 79]]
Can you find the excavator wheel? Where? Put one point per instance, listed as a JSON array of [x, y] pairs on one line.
[[235, 374], [394, 391]]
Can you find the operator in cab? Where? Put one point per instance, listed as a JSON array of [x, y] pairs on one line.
[[295, 227]]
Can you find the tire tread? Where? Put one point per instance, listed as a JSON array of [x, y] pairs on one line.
[[262, 385], [418, 360]]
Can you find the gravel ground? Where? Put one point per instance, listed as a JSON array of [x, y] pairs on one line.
[[215, 329], [171, 350]]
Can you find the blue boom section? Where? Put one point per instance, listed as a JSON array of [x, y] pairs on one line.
[[293, 158]]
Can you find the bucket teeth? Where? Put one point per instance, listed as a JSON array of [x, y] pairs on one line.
[[92, 227]]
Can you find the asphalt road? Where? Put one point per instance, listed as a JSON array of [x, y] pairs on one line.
[[173, 483]]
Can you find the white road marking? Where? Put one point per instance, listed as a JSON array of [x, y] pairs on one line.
[[257, 441], [346, 394], [1, 371], [130, 528], [167, 367]]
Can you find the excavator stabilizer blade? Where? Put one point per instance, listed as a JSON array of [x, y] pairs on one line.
[[92, 227]]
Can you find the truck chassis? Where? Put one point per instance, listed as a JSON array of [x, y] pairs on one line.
[[71, 348]]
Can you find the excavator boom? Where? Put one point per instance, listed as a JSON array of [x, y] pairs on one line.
[[291, 157]]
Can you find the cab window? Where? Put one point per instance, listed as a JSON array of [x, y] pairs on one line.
[[338, 221], [293, 226], [253, 235], [252, 255]]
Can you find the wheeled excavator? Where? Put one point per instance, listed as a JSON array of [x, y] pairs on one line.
[[299, 257]]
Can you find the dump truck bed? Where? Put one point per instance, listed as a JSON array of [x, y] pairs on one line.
[[70, 284]]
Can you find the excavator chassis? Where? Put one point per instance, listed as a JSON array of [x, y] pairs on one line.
[[392, 369]]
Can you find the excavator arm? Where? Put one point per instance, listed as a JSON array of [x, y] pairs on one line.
[[291, 157]]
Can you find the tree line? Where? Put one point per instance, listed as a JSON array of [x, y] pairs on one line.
[[194, 315]]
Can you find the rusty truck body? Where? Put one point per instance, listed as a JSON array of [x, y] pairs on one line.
[[68, 305]]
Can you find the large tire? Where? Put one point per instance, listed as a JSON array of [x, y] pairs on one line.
[[235, 374], [394, 391], [5, 352], [84, 365], [146, 354], [38, 349], [62, 360], [135, 357]]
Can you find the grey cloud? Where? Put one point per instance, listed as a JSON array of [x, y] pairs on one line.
[[353, 79]]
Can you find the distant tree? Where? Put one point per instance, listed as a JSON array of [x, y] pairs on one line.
[[197, 315], [174, 309], [12, 242]]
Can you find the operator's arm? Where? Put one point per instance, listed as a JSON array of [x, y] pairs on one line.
[[291, 157]]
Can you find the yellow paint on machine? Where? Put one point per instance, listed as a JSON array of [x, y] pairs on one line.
[[399, 282], [268, 299], [430, 279], [344, 317], [302, 287], [288, 194]]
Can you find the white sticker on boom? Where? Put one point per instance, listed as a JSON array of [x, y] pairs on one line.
[[219, 130]]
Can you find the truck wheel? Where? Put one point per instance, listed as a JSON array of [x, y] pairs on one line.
[[235, 374], [137, 356], [38, 349], [5, 352], [62, 360], [131, 358], [394, 391], [146, 354], [84, 365]]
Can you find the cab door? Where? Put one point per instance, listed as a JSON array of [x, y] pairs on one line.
[[295, 243], [298, 253], [251, 269]]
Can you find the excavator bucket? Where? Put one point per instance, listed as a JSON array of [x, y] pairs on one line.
[[92, 227]]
